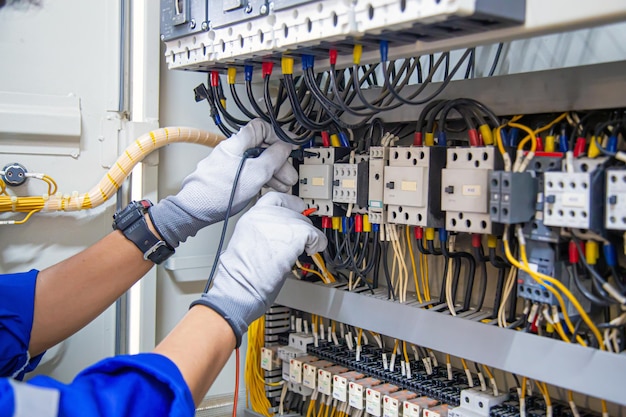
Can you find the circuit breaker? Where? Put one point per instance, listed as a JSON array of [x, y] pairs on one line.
[[180, 18], [316, 176], [227, 12], [615, 205], [412, 186], [465, 188]]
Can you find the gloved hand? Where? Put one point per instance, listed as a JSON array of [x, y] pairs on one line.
[[265, 245], [205, 193]]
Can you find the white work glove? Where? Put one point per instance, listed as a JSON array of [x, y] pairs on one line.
[[265, 245], [204, 196]]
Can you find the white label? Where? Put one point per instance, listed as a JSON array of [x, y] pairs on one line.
[[298, 325], [358, 353], [355, 393], [266, 359], [392, 364], [449, 368], [306, 327], [402, 368], [330, 338], [471, 190], [324, 383], [372, 402], [348, 184], [573, 199], [315, 339], [317, 181], [390, 407], [411, 410], [385, 364], [408, 186], [533, 267], [340, 389], [295, 371], [408, 371], [309, 374]]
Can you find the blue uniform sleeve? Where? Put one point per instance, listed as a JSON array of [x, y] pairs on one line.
[[139, 385], [17, 301]]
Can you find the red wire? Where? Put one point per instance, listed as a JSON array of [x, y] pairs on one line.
[[236, 399]]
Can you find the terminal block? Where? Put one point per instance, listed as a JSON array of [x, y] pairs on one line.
[[465, 189], [476, 403], [615, 207], [315, 183], [575, 199], [513, 196], [379, 157], [412, 186], [350, 183]]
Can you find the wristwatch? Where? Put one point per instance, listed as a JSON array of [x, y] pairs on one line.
[[132, 223]]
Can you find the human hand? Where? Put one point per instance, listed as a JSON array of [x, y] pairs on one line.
[[265, 245], [204, 196]]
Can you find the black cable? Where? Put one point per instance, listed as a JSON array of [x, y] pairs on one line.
[[572, 270], [239, 103], [496, 59], [250, 153], [391, 294], [480, 258], [298, 140]]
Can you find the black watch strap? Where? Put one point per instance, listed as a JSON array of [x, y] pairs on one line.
[[132, 223]]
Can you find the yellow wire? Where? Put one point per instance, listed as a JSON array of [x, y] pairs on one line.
[[25, 219], [314, 272], [406, 354], [488, 371], [604, 407], [568, 294], [414, 267], [464, 364], [426, 282], [531, 137], [540, 278], [523, 393]]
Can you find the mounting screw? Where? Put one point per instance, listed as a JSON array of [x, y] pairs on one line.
[[205, 26], [14, 174], [263, 9], [192, 24], [248, 8], [162, 37]]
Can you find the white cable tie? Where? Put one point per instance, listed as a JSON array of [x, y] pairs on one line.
[[449, 369]]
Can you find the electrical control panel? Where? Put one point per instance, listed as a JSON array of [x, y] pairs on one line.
[[412, 186], [615, 216], [465, 188], [180, 18]]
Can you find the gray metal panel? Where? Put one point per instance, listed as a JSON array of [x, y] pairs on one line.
[[590, 371], [587, 87]]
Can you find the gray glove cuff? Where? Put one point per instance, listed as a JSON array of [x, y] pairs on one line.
[[233, 318], [173, 223]]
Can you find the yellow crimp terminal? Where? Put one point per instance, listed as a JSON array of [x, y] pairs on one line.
[[592, 252], [223, 101], [549, 328], [430, 233], [334, 140], [492, 241], [550, 144], [232, 75], [367, 226], [429, 139], [356, 54], [336, 223], [486, 133], [287, 65], [593, 151]]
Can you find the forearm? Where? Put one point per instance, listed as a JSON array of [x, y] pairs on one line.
[[72, 293], [199, 345]]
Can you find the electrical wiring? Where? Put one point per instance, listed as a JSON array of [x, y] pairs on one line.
[[236, 396], [113, 179], [413, 266], [540, 279], [496, 60]]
